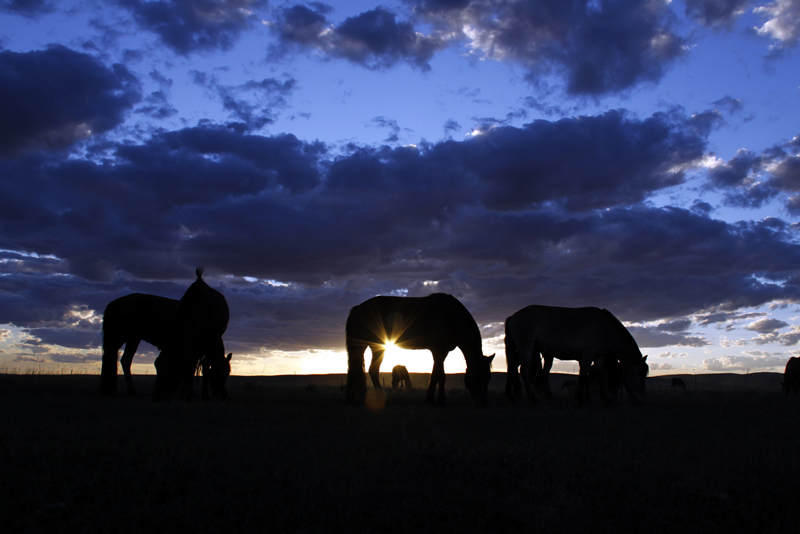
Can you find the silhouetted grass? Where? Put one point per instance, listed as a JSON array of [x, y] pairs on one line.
[[283, 456]]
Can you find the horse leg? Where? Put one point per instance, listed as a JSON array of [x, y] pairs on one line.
[[582, 389], [108, 369], [437, 377], [356, 380], [127, 358], [526, 369], [543, 380], [375, 367]]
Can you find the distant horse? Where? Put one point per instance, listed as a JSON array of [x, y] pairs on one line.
[[438, 323], [196, 328], [791, 377], [677, 383], [400, 377], [138, 317], [588, 335], [568, 384]]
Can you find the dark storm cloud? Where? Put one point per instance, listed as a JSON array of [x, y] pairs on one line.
[[583, 163], [374, 39], [598, 47], [716, 12], [188, 26], [54, 97], [26, 8], [514, 216], [751, 180]]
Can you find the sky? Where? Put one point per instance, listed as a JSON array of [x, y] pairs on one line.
[[641, 156]]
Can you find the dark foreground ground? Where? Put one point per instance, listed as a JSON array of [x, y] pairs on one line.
[[287, 455]]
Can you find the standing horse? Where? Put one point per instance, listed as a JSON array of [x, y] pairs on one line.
[[196, 328], [791, 376], [138, 317], [588, 335], [128, 321], [400, 377], [438, 323]]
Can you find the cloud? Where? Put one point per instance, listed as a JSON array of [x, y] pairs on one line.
[[374, 39], [254, 104], [26, 8], [751, 180], [766, 326], [783, 21], [188, 26], [726, 364], [661, 337], [54, 97], [295, 233], [596, 47], [719, 13]]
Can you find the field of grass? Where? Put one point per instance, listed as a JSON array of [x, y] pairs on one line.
[[287, 455]]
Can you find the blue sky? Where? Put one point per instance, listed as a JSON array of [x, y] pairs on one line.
[[641, 156]]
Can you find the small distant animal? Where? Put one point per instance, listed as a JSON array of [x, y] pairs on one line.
[[677, 383], [791, 377], [400, 377], [568, 384]]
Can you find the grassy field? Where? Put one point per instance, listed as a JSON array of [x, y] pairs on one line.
[[287, 455]]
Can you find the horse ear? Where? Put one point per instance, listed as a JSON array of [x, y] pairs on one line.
[[230, 355], [491, 358], [644, 360]]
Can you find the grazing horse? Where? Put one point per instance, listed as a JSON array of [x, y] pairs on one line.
[[438, 323], [138, 317], [196, 328], [677, 383], [791, 376], [400, 377], [588, 335]]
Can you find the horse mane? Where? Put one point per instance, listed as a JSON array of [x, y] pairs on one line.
[[467, 327], [620, 329]]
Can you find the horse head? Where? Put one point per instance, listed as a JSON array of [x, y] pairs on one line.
[[477, 378], [216, 370], [633, 377]]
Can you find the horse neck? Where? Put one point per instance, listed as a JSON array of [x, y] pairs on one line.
[[471, 347]]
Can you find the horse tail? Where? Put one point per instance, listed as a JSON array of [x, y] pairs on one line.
[[356, 378], [108, 369]]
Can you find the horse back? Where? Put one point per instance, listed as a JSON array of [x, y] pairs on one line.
[[565, 331], [139, 316], [431, 322]]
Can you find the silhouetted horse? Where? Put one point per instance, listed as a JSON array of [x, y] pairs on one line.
[[400, 377], [791, 376], [677, 383], [128, 321], [138, 317], [588, 335], [196, 328], [438, 323], [568, 384]]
